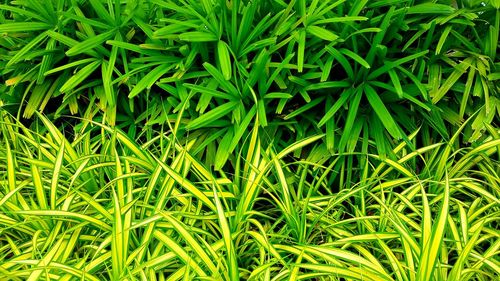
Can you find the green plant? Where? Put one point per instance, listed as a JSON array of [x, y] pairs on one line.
[[157, 211], [249, 139], [351, 69]]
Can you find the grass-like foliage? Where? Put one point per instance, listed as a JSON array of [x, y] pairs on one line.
[[103, 207], [369, 69], [249, 140]]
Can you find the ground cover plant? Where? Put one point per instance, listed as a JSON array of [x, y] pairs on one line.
[[249, 140]]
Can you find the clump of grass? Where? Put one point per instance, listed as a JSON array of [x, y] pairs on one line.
[[103, 207]]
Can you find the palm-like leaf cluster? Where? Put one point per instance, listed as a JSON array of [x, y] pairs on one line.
[[254, 140], [350, 69]]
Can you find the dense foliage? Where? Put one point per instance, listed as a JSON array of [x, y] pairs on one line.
[[253, 140]]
